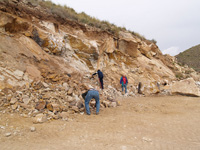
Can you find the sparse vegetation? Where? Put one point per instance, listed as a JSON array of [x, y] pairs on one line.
[[188, 71], [153, 41], [190, 57], [179, 75], [69, 13]]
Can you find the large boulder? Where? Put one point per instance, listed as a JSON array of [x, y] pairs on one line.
[[128, 36], [5, 19], [145, 50], [108, 46], [81, 45], [185, 87], [129, 47]]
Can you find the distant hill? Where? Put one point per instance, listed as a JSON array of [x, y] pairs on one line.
[[190, 57]]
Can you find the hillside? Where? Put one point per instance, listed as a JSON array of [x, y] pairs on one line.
[[190, 57], [46, 63]]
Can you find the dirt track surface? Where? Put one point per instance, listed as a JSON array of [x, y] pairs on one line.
[[147, 123]]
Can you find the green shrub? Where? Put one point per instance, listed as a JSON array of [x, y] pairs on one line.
[[188, 71], [153, 41], [179, 75]]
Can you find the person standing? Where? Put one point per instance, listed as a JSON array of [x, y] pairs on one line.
[[90, 94], [124, 82], [100, 76]]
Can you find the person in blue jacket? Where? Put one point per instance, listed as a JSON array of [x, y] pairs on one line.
[[124, 82], [100, 76]]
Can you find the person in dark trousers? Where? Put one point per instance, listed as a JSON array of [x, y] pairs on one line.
[[124, 82], [100, 76], [91, 93]]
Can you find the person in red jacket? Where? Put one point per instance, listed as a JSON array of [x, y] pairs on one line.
[[124, 82]]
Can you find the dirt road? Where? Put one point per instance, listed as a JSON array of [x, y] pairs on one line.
[[147, 123]]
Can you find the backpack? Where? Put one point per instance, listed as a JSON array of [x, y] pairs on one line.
[[100, 74], [84, 94]]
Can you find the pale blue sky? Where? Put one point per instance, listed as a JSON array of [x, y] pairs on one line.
[[174, 24]]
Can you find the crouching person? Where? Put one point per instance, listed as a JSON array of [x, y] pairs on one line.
[[90, 94]]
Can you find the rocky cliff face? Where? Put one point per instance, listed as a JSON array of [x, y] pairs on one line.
[[44, 57]]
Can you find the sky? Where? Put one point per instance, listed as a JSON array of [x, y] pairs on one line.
[[174, 24]]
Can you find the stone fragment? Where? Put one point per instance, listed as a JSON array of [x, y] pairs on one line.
[[76, 98], [24, 115], [56, 107], [40, 105], [28, 34], [82, 109], [8, 134], [74, 85], [52, 76], [73, 103], [113, 104], [75, 108], [69, 99], [18, 74], [15, 106], [70, 91], [118, 103], [25, 99], [40, 118], [13, 101], [71, 112], [49, 107], [1, 93], [106, 103], [38, 85], [92, 103], [50, 115], [24, 105], [9, 97], [65, 107], [45, 85], [32, 129], [146, 139], [56, 117], [80, 104], [64, 115], [2, 127]]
